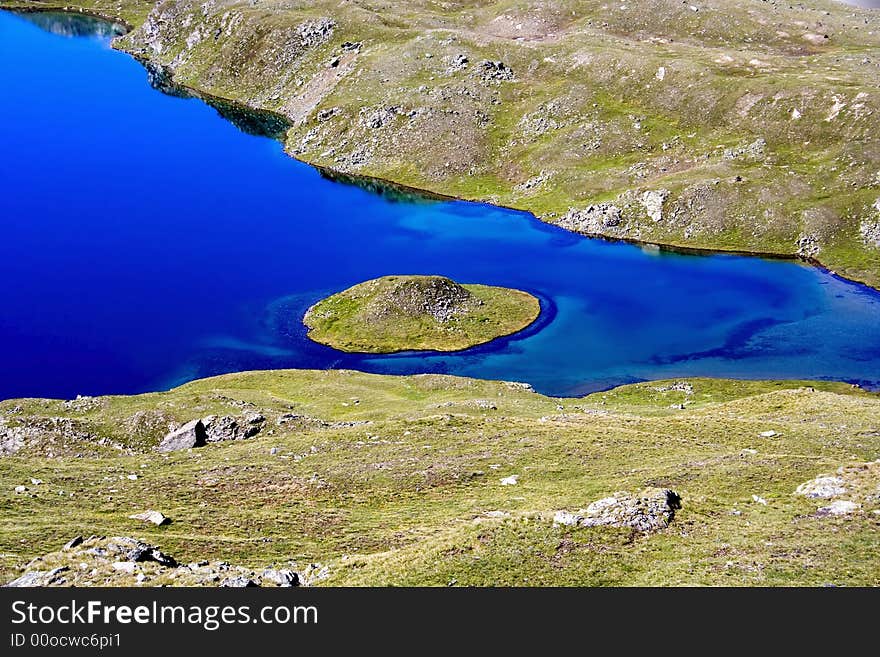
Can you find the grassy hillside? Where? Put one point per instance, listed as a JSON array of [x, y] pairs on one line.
[[398, 480], [746, 125]]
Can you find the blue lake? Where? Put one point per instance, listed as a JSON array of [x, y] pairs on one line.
[[146, 241]]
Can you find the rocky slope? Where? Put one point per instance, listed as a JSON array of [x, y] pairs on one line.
[[357, 479], [734, 125]]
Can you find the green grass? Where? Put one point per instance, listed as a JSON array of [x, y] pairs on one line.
[[403, 499], [399, 313]]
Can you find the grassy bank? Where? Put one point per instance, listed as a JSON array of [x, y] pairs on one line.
[[397, 480]]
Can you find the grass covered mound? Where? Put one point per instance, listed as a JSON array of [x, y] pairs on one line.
[[403, 313]]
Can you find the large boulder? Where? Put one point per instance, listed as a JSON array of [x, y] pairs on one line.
[[191, 434], [227, 427], [652, 509]]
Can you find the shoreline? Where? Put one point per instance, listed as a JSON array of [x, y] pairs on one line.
[[354, 178]]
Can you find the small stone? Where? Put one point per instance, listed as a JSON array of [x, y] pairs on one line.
[[133, 477], [36, 482], [273, 451], [20, 489], [757, 499], [566, 518], [768, 434], [838, 508], [125, 567], [154, 517], [512, 480]]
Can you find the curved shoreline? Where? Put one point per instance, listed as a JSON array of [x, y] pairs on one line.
[[428, 194]]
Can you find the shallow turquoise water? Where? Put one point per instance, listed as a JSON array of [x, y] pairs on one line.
[[147, 241]]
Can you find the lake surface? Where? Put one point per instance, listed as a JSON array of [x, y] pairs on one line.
[[146, 241]]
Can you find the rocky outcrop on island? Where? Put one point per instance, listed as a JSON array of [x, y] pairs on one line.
[[399, 313]]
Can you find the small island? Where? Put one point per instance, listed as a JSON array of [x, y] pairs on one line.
[[418, 313]]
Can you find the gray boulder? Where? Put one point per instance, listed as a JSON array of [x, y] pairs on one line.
[[283, 577], [650, 510], [192, 434], [822, 487]]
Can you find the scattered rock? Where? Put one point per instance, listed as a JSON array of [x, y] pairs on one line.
[[822, 487], [380, 117], [101, 561], [652, 509], [512, 480], [768, 434], [838, 508], [757, 499], [457, 63], [567, 518], [755, 150], [192, 434], [594, 220], [20, 489], [315, 32], [154, 517], [870, 227], [39, 578], [238, 582], [808, 245], [228, 427], [285, 578], [495, 71]]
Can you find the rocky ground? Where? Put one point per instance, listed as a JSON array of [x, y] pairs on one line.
[[342, 478], [405, 313], [732, 125]]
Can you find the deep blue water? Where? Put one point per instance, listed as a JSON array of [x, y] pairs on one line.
[[145, 241]]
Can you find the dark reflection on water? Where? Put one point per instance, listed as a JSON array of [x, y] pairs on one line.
[[388, 190], [250, 121], [73, 25]]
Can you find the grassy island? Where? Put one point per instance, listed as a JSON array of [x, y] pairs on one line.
[[407, 313]]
